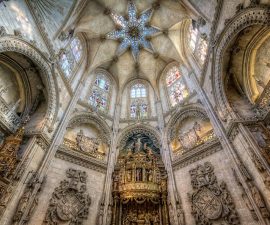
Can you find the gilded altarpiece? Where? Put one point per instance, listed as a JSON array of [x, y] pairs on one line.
[[139, 186]]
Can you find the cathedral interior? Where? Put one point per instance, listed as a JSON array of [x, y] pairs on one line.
[[134, 112]]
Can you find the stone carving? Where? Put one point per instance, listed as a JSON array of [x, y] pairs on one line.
[[87, 144], [211, 201], [70, 202], [19, 46], [190, 138], [23, 203], [257, 196], [9, 154], [261, 168], [255, 192], [3, 31]]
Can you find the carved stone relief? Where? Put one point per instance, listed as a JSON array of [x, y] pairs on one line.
[[211, 201], [25, 200], [259, 201], [69, 202]]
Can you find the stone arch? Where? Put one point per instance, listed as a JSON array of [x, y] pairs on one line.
[[134, 129], [18, 45], [185, 112], [245, 18], [92, 119]]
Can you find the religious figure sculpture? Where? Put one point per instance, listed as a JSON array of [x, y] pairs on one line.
[[138, 196], [9, 153]]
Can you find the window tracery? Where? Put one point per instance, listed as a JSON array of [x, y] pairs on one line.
[[139, 101], [176, 87], [71, 57], [193, 34], [100, 92], [197, 44]]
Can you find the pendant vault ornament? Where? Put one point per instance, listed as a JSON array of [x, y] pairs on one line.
[[134, 32]]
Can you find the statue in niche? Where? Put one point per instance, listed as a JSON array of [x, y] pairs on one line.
[[138, 174], [129, 176], [138, 145], [141, 142]]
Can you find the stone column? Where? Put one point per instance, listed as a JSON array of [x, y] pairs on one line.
[[56, 142], [193, 83], [111, 163], [166, 156]]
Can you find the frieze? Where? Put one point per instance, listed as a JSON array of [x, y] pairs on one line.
[[210, 200]]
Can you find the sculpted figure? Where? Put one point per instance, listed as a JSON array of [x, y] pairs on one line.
[[259, 200]]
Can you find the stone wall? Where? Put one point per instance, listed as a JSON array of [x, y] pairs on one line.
[[57, 173]]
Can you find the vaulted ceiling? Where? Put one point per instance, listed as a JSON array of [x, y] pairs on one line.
[[97, 21]]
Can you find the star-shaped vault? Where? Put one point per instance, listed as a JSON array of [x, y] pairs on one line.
[[133, 32]]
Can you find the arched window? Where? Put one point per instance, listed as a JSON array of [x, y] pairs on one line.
[[71, 57], [177, 89], [138, 102], [193, 34], [197, 44], [100, 92], [202, 49]]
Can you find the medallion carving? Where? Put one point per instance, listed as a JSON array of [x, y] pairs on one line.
[[211, 201], [70, 201]]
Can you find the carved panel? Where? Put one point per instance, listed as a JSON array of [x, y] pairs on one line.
[[70, 202], [211, 201]]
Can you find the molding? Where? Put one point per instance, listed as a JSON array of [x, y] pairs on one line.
[[141, 128], [81, 160], [197, 154], [90, 118], [188, 111], [245, 18], [18, 45]]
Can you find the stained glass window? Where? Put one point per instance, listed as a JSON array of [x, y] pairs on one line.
[[100, 92], [202, 50], [76, 49], [71, 57], [177, 89], [139, 104], [197, 44], [193, 38]]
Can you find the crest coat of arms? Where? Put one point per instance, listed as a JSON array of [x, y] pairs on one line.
[[210, 201], [69, 202]]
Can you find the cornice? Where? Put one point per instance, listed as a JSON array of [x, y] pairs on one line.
[[197, 154], [81, 160]]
